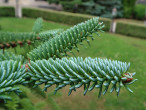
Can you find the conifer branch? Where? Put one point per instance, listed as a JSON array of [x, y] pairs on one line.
[[46, 35], [58, 46], [11, 74], [76, 72], [38, 25], [10, 56]]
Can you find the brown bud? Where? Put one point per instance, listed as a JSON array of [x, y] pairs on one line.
[[28, 42], [20, 43], [26, 67], [13, 44], [38, 38], [128, 80], [2, 46], [7, 45]]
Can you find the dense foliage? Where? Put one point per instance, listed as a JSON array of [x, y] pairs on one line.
[[101, 8], [128, 6], [7, 11], [140, 12], [11, 74], [10, 56]]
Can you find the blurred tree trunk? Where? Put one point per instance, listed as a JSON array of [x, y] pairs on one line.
[[18, 11]]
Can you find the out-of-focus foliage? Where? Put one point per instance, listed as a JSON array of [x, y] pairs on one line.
[[140, 11], [13, 104], [10, 56], [128, 6], [95, 7], [131, 30], [7, 11], [64, 17], [27, 104], [11, 74], [38, 25]]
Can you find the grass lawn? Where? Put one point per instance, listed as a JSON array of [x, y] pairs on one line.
[[113, 46], [25, 25]]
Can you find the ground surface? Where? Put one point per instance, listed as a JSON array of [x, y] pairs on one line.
[[113, 46]]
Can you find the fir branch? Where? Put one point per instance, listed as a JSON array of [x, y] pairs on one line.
[[13, 104], [12, 39], [66, 41], [38, 25], [11, 74], [10, 56], [46, 35], [27, 104], [77, 72], [7, 37], [5, 97]]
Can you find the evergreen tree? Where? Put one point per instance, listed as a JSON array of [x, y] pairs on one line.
[[101, 8]]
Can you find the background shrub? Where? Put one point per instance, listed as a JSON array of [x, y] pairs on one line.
[[131, 30], [128, 6], [61, 17], [139, 11], [7, 11]]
